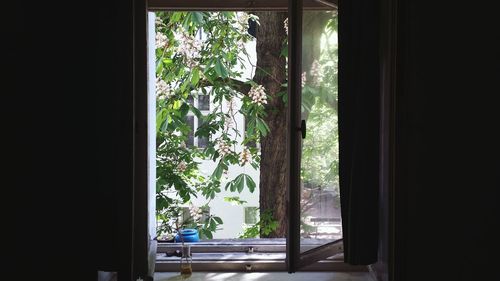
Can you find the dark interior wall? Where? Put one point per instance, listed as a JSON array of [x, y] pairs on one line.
[[68, 106], [447, 156]]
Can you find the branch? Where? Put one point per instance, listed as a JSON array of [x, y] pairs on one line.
[[236, 85]]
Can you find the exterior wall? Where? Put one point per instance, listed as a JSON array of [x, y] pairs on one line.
[[233, 215]]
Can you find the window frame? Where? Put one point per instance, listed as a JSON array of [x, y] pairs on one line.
[[142, 246]]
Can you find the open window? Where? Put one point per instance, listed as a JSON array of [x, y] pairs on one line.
[[314, 231]]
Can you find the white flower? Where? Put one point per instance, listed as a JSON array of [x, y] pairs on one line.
[[285, 24], [223, 147], [189, 48], [194, 212], [161, 40], [159, 22], [316, 73], [242, 19], [245, 156], [258, 95], [182, 144], [163, 90], [181, 167], [304, 79]]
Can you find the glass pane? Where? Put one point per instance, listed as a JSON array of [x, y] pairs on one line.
[[251, 215], [204, 102], [190, 123], [320, 201], [202, 141]]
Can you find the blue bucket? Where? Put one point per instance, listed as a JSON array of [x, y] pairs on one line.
[[188, 234]]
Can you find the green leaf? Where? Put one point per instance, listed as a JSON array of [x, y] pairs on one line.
[[195, 77], [239, 183], [160, 118], [197, 18], [284, 51], [262, 127], [218, 220], [250, 183], [196, 112], [208, 233], [220, 69], [217, 174]]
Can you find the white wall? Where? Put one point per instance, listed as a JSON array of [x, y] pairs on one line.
[[233, 215]]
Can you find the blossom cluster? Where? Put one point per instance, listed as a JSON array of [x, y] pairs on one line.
[[223, 147], [304, 79], [258, 95], [242, 19], [285, 24], [245, 156], [163, 89], [316, 73], [189, 48], [181, 167], [161, 40], [195, 212]]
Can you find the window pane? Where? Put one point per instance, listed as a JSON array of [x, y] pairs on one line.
[[320, 199], [190, 100], [251, 215], [190, 123], [204, 102], [202, 141]]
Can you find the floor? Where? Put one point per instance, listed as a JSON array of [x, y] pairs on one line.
[[265, 276]]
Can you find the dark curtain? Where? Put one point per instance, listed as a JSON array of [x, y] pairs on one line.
[[359, 128]]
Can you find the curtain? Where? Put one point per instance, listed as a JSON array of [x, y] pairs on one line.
[[358, 102]]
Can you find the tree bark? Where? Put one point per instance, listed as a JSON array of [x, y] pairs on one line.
[[271, 73]]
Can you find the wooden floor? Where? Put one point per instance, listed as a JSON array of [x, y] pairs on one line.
[[265, 276]]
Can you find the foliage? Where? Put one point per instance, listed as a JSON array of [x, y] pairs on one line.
[[265, 225], [186, 67]]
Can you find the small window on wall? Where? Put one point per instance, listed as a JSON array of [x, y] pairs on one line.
[[202, 103], [189, 216], [251, 215]]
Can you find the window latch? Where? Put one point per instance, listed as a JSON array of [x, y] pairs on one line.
[[303, 128]]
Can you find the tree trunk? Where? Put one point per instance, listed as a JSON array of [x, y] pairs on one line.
[[271, 73]]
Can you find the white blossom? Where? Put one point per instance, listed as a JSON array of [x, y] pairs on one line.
[[189, 48], [223, 147], [242, 19], [194, 212], [316, 73], [159, 22], [258, 95], [182, 144], [161, 40], [245, 156], [181, 167], [285, 24], [163, 90], [304, 79]]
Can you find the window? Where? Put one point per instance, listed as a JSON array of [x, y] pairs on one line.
[[188, 213], [202, 103], [251, 215]]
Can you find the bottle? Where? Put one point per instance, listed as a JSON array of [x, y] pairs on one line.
[[186, 260]]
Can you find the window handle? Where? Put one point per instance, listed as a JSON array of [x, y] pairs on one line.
[[303, 128]]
